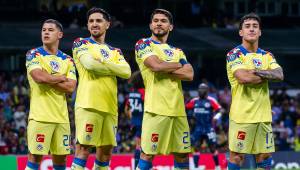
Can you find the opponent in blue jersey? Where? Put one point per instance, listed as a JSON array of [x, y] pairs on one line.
[[204, 108], [134, 109]]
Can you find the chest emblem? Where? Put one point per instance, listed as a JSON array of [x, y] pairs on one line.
[[104, 53], [257, 63], [169, 54], [54, 65]]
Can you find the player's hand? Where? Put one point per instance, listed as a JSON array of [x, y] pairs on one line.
[[62, 78]]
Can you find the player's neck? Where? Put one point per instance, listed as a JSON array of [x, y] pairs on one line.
[[51, 49], [251, 47], [162, 40], [99, 40]]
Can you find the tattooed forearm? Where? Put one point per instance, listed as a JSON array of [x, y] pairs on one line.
[[274, 74]]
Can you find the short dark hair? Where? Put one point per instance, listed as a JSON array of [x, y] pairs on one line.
[[251, 15], [57, 24], [105, 14], [162, 11]]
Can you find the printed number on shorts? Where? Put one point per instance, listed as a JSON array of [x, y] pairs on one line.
[[269, 139], [66, 140], [185, 137], [135, 105]]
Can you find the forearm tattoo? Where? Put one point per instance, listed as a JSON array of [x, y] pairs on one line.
[[275, 74]]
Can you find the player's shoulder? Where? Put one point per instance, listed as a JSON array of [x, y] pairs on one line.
[[32, 53], [111, 48], [265, 52], [142, 43], [64, 56], [233, 54], [194, 99], [79, 42], [212, 99]]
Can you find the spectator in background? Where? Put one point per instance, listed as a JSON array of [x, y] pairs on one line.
[[20, 116]]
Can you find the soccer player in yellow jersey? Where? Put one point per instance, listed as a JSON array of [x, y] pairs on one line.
[[165, 128], [96, 110], [51, 74], [249, 70]]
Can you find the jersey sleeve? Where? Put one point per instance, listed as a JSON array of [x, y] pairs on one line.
[[80, 48], [181, 54], [272, 61], [234, 61], [32, 61], [215, 105], [190, 105], [143, 50], [71, 74]]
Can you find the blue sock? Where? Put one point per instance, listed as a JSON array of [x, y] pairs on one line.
[[32, 165], [80, 162], [137, 154], [196, 160], [216, 159], [59, 167], [233, 166], [101, 163], [144, 165], [184, 165], [265, 164]]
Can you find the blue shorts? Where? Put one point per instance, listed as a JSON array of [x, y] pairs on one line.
[[199, 135], [137, 131]]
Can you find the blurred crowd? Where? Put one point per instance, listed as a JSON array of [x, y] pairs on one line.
[[14, 108]]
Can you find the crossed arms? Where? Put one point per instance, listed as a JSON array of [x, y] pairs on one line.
[[173, 69], [245, 76], [59, 82]]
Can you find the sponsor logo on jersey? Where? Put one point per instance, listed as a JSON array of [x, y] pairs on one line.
[[257, 63], [40, 138], [207, 104], [154, 137], [241, 135], [89, 127]]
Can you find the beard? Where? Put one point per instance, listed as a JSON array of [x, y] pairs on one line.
[[160, 34], [97, 35]]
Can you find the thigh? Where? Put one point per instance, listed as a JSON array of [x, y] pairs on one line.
[[180, 138], [60, 144], [88, 126], [242, 136], [264, 141], [156, 132], [39, 135], [109, 129]]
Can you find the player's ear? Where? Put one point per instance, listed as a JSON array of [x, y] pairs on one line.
[[241, 33], [171, 27], [107, 25], [60, 35]]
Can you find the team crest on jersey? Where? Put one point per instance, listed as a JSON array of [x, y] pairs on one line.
[[206, 104], [54, 65], [154, 146], [257, 63], [104, 53], [88, 137], [169, 53], [39, 147], [40, 138], [240, 145]]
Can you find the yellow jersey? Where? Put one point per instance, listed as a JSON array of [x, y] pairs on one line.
[[163, 94], [96, 91], [46, 103], [250, 102]]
